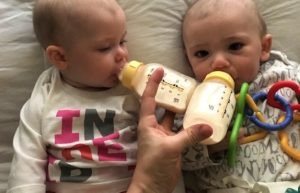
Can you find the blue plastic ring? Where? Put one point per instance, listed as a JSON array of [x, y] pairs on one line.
[[271, 127]]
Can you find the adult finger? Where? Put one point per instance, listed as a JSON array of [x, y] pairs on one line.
[[148, 98], [195, 134], [167, 121]]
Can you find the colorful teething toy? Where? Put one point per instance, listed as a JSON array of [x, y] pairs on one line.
[[253, 114]]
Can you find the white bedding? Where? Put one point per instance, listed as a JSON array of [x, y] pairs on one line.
[[153, 36]]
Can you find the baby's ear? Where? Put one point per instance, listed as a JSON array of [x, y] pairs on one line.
[[56, 56], [266, 47]]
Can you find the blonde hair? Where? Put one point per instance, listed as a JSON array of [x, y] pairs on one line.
[[58, 21], [49, 21], [203, 8]]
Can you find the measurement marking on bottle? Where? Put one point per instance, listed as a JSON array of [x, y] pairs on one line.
[[169, 84], [227, 105]]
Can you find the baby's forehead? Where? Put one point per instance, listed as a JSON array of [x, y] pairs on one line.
[[220, 9], [220, 12], [204, 8]]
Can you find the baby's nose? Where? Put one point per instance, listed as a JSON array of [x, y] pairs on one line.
[[220, 61], [122, 53]]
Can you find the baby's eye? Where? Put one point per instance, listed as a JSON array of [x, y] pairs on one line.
[[123, 42], [236, 46], [201, 53], [104, 49]]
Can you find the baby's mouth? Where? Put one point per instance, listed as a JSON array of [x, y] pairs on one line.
[[119, 72]]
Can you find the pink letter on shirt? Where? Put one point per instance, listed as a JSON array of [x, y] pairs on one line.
[[104, 148], [66, 135]]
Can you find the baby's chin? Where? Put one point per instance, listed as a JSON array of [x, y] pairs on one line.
[[113, 82], [238, 86], [237, 90], [104, 86]]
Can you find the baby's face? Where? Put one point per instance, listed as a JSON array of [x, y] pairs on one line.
[[96, 56], [229, 42]]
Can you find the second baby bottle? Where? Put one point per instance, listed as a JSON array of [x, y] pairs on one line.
[[212, 103], [173, 92]]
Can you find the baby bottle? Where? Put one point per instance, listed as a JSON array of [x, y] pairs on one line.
[[173, 92], [212, 103]]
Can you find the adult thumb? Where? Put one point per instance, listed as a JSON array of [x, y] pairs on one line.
[[194, 134]]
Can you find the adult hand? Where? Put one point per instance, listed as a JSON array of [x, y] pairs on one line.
[[159, 149]]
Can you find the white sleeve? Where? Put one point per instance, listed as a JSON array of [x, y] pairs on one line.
[[28, 172], [28, 166]]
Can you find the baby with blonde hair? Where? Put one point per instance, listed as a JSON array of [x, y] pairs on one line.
[[231, 36]]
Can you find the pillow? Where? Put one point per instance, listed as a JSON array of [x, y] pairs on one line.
[[154, 31], [21, 61], [282, 18]]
